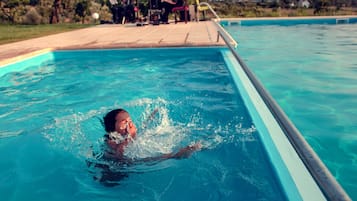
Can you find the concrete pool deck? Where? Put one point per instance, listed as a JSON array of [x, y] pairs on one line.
[[118, 36]]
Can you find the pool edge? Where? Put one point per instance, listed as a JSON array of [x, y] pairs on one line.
[[9, 61], [290, 169]]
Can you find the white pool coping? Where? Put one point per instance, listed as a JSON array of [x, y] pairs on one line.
[[295, 178]]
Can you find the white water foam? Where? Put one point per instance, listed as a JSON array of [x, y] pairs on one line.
[[81, 133]]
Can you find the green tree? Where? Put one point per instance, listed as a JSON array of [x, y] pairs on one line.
[[10, 9]]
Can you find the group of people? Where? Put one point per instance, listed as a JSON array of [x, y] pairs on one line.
[[125, 10]]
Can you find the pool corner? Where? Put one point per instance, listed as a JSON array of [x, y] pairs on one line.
[[9, 61]]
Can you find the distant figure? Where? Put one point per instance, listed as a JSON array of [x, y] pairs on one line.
[[167, 6], [122, 12], [55, 12], [117, 11]]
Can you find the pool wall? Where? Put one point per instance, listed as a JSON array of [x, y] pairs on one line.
[[290, 21], [27, 60]]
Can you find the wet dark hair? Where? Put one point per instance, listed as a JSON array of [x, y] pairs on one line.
[[109, 119]]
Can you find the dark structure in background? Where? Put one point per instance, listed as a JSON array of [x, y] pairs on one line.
[[155, 12], [122, 12]]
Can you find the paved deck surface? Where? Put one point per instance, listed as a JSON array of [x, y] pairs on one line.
[[119, 36]]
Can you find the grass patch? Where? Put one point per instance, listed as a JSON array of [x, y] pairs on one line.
[[13, 33]]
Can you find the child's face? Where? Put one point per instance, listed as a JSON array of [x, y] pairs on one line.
[[123, 123]]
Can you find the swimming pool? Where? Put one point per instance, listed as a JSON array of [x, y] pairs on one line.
[[51, 107], [310, 69]]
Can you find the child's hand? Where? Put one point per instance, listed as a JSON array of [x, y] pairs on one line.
[[132, 129], [187, 151]]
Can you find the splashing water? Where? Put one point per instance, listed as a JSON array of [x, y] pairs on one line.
[[81, 133], [160, 131]]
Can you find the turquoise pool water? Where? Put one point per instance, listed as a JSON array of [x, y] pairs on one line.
[[311, 70], [50, 127]]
